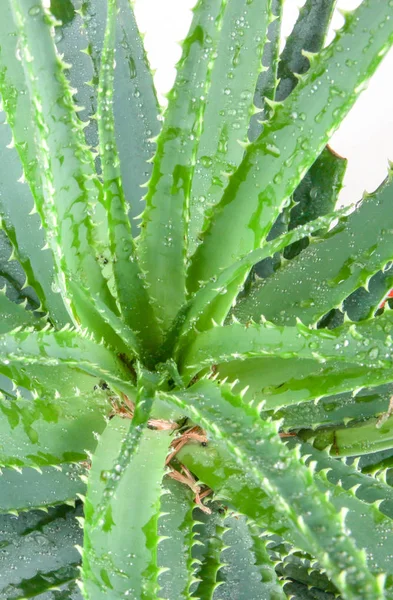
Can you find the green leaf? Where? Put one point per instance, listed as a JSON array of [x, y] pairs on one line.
[[135, 104], [101, 321], [130, 290], [264, 562], [211, 562], [16, 201], [39, 555], [366, 488], [267, 80], [30, 489], [70, 189], [48, 429], [360, 438], [353, 402], [255, 446], [275, 163], [14, 315], [305, 389], [316, 195], [212, 302], [229, 106], [12, 275], [68, 348], [130, 530], [129, 447], [308, 34], [215, 467], [162, 244], [247, 572], [362, 303], [367, 343], [63, 10], [324, 274], [176, 530]]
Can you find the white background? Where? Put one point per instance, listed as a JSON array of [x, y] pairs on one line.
[[365, 137]]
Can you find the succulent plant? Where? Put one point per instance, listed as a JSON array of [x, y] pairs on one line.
[[195, 347]]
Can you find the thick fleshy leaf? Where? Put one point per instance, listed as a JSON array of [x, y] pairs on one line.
[[43, 429], [307, 35], [247, 572], [373, 435], [30, 489], [211, 538], [213, 301], [67, 348], [176, 550], [135, 104], [16, 200], [215, 467], [162, 244], [267, 79], [129, 447], [13, 277], [367, 343], [67, 189], [39, 555], [365, 301], [229, 106], [255, 446], [15, 315], [130, 530], [102, 322], [128, 279], [275, 163], [324, 274]]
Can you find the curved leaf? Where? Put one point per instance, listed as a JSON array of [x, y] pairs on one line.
[[39, 554], [369, 527], [324, 274], [255, 446], [53, 428], [367, 343], [162, 244], [275, 163], [29, 489], [178, 540], [16, 200], [70, 188], [130, 290], [130, 529], [229, 106], [135, 105]]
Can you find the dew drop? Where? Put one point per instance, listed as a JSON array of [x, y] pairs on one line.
[[373, 353], [34, 11]]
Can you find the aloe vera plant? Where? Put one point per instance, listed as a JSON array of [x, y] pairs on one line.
[[195, 348]]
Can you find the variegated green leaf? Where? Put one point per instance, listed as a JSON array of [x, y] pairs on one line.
[[40, 429], [368, 343], [120, 553], [178, 541], [128, 278], [63, 184], [254, 444], [213, 301], [229, 106], [214, 466], [31, 489], [324, 274], [39, 558], [162, 244], [276, 162]]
